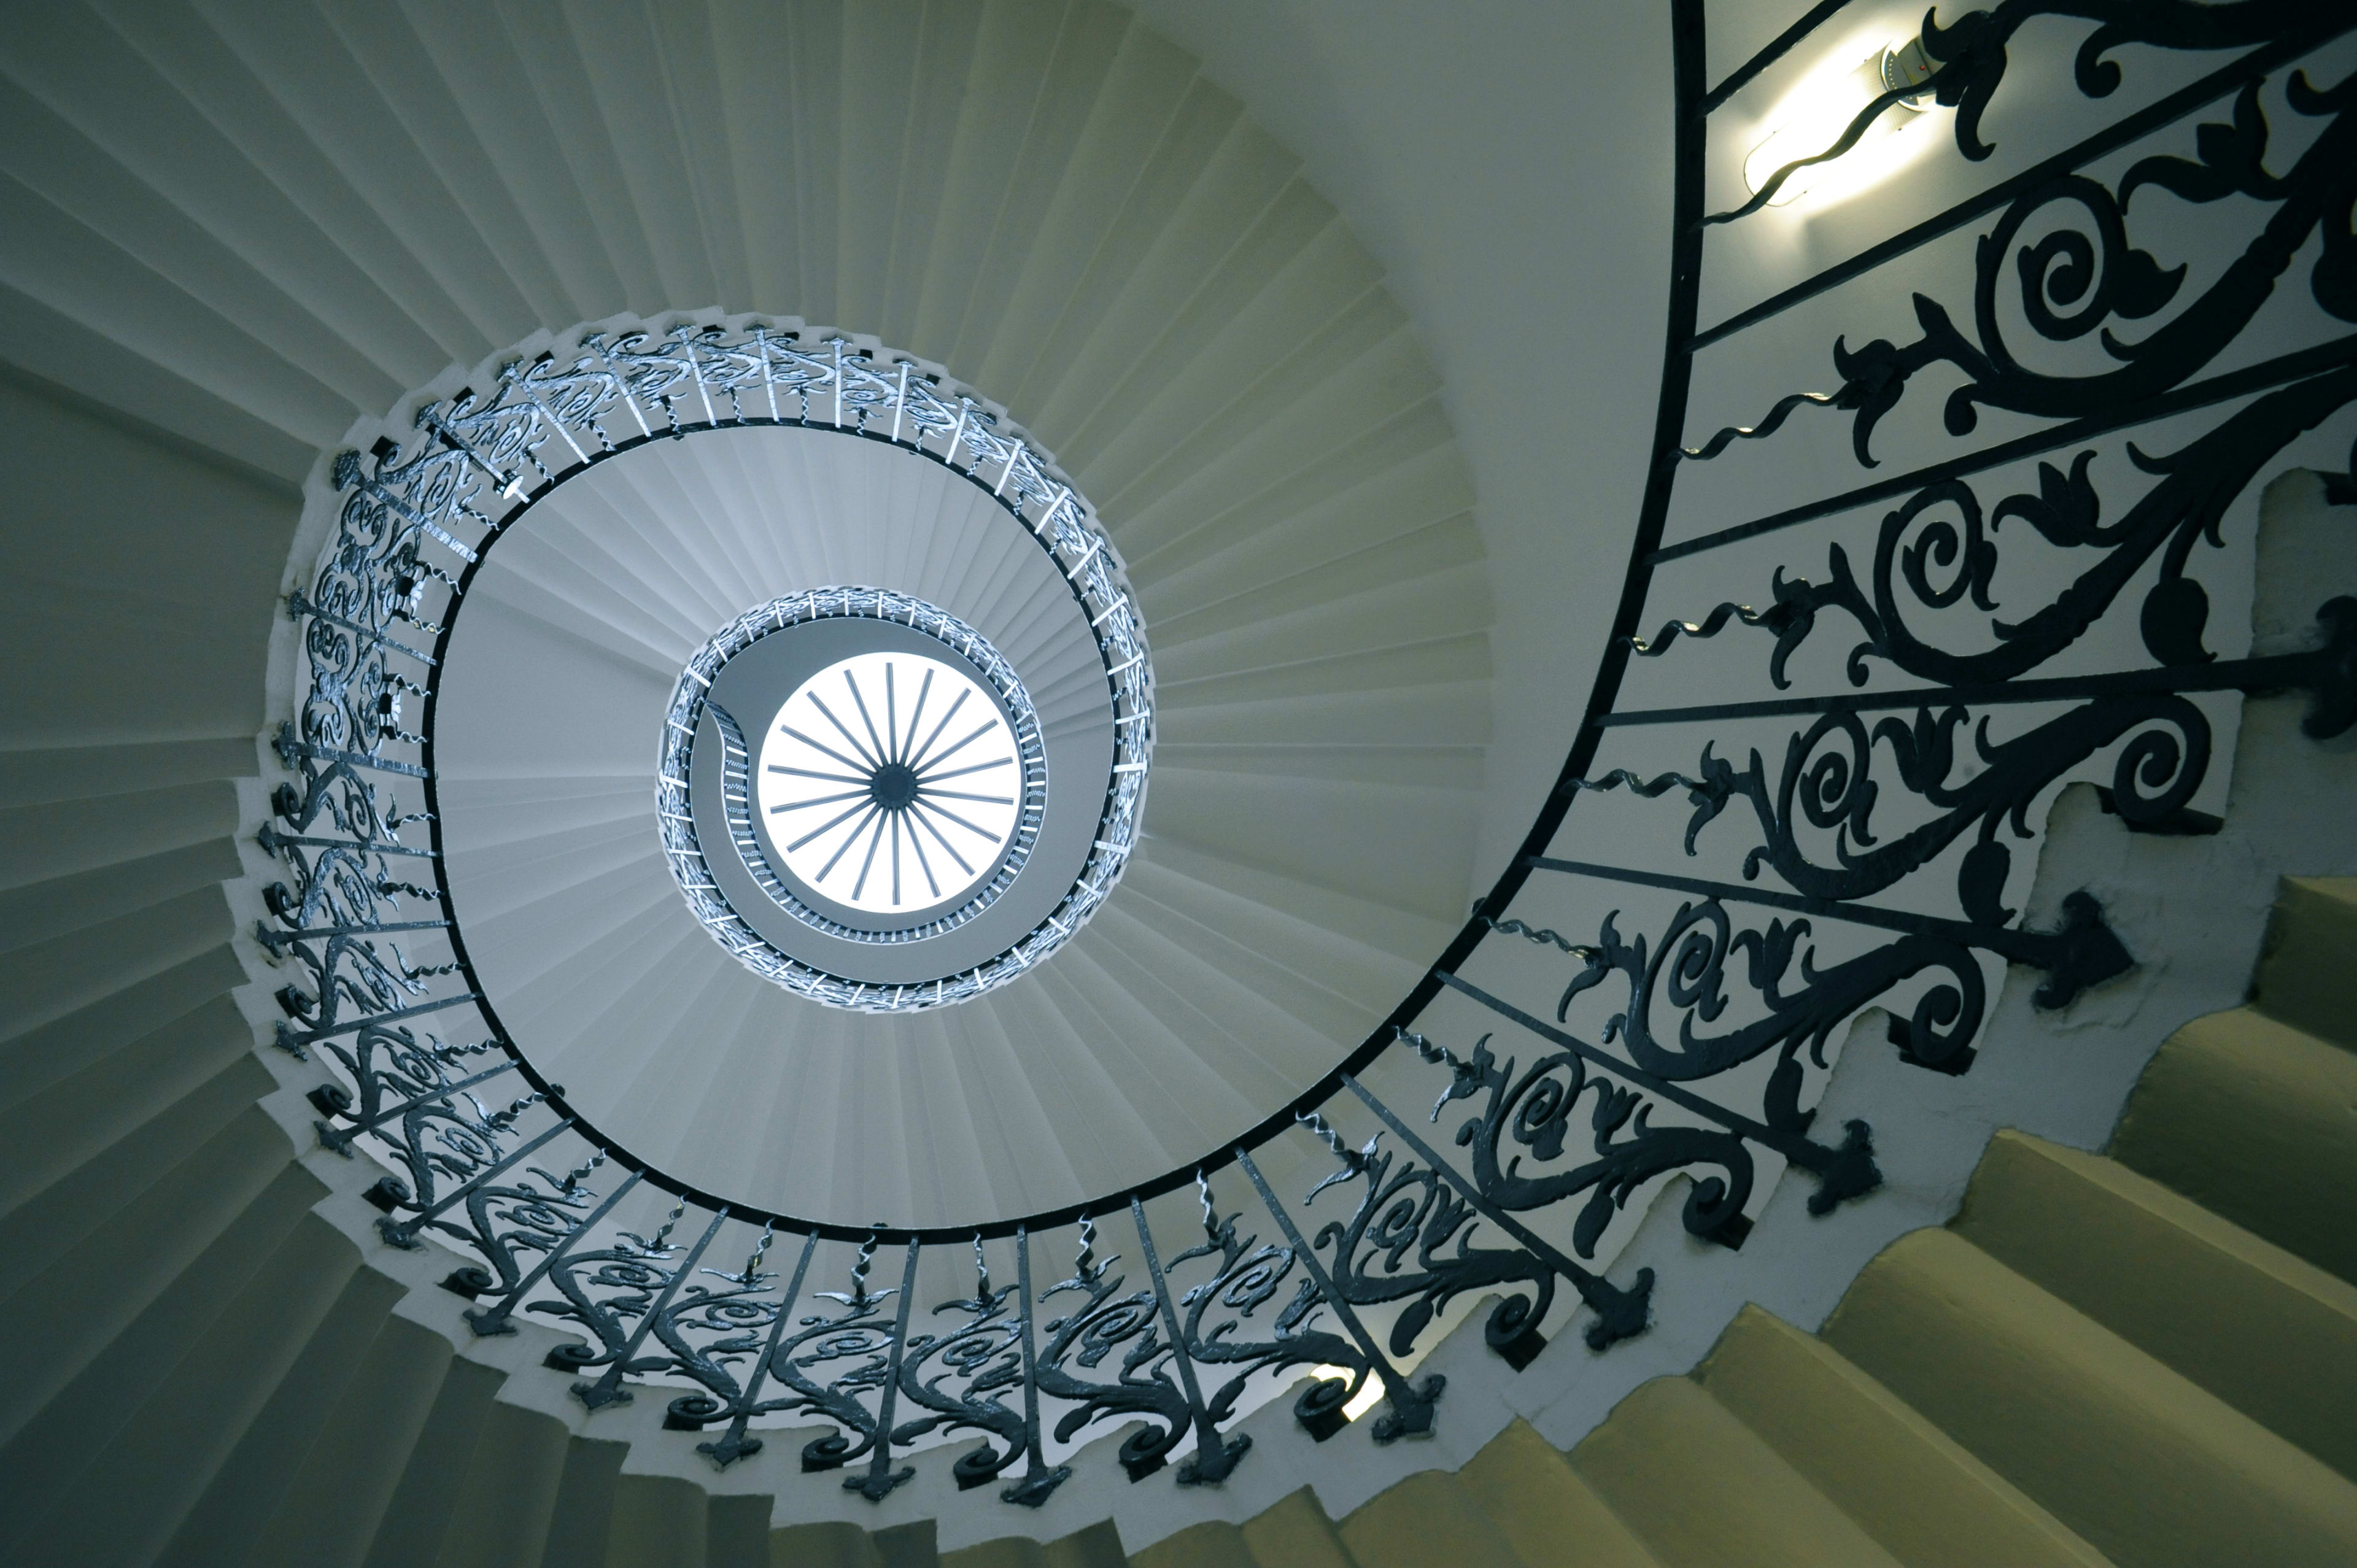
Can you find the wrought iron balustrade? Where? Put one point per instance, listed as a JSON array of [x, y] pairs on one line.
[[1801, 836]]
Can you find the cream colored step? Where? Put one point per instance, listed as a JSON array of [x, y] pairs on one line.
[[1755, 1511], [64, 774], [1926, 1500], [2151, 1469], [507, 1496], [2271, 1334], [114, 1301], [1099, 1546], [96, 970], [1293, 1533], [263, 1469], [2256, 1121], [80, 1149], [2308, 973], [73, 864], [339, 1489], [837, 1545], [417, 1518], [583, 1518], [1550, 1516], [164, 1415], [658, 1521], [1430, 1519]]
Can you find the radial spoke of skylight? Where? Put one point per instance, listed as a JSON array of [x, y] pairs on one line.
[[879, 781], [819, 704], [865, 722], [930, 777], [984, 729], [916, 758]]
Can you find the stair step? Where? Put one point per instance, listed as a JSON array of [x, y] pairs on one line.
[[831, 1543], [74, 996], [85, 1148], [339, 1491], [2271, 1334], [900, 1546], [418, 1515], [123, 824], [508, 1494], [1431, 1520], [2150, 1469], [583, 1515], [2304, 975], [44, 775], [109, 1310], [80, 862], [1099, 1546], [1550, 1517], [1757, 1510], [1214, 1543], [1907, 1483], [269, 1457], [659, 1522], [2256, 1121], [163, 1438]]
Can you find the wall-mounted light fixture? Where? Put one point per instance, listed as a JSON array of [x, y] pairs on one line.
[[1832, 117]]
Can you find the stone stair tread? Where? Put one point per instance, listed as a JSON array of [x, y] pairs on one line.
[[1098, 1546], [2304, 977], [2147, 1466], [2268, 1333], [2255, 1121], [1430, 1519], [339, 1488], [1550, 1516], [1757, 1510], [1907, 1483]]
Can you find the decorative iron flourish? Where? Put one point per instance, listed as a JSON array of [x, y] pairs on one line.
[[1970, 55], [1876, 792], [1693, 951], [1248, 1276], [2100, 279], [1105, 1319]]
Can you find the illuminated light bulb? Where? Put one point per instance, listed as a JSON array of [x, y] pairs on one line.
[[1815, 117]]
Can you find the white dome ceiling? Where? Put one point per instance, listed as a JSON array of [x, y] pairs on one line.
[[1053, 204]]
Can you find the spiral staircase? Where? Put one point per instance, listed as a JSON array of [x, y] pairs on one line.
[[242, 240]]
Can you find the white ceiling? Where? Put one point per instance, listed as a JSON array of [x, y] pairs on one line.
[[1508, 163]]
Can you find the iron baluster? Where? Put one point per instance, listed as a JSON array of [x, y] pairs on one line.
[[1213, 1459], [735, 1445], [495, 1319], [1619, 1314], [609, 1389], [1412, 1404], [340, 1138], [878, 1484], [299, 607], [294, 1041], [1038, 1481], [403, 1233]]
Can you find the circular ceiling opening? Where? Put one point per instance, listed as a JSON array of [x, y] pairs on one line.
[[894, 781], [893, 790]]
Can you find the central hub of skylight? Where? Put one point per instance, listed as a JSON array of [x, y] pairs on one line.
[[861, 802], [890, 782]]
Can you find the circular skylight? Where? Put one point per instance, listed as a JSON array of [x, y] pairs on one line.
[[889, 782]]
